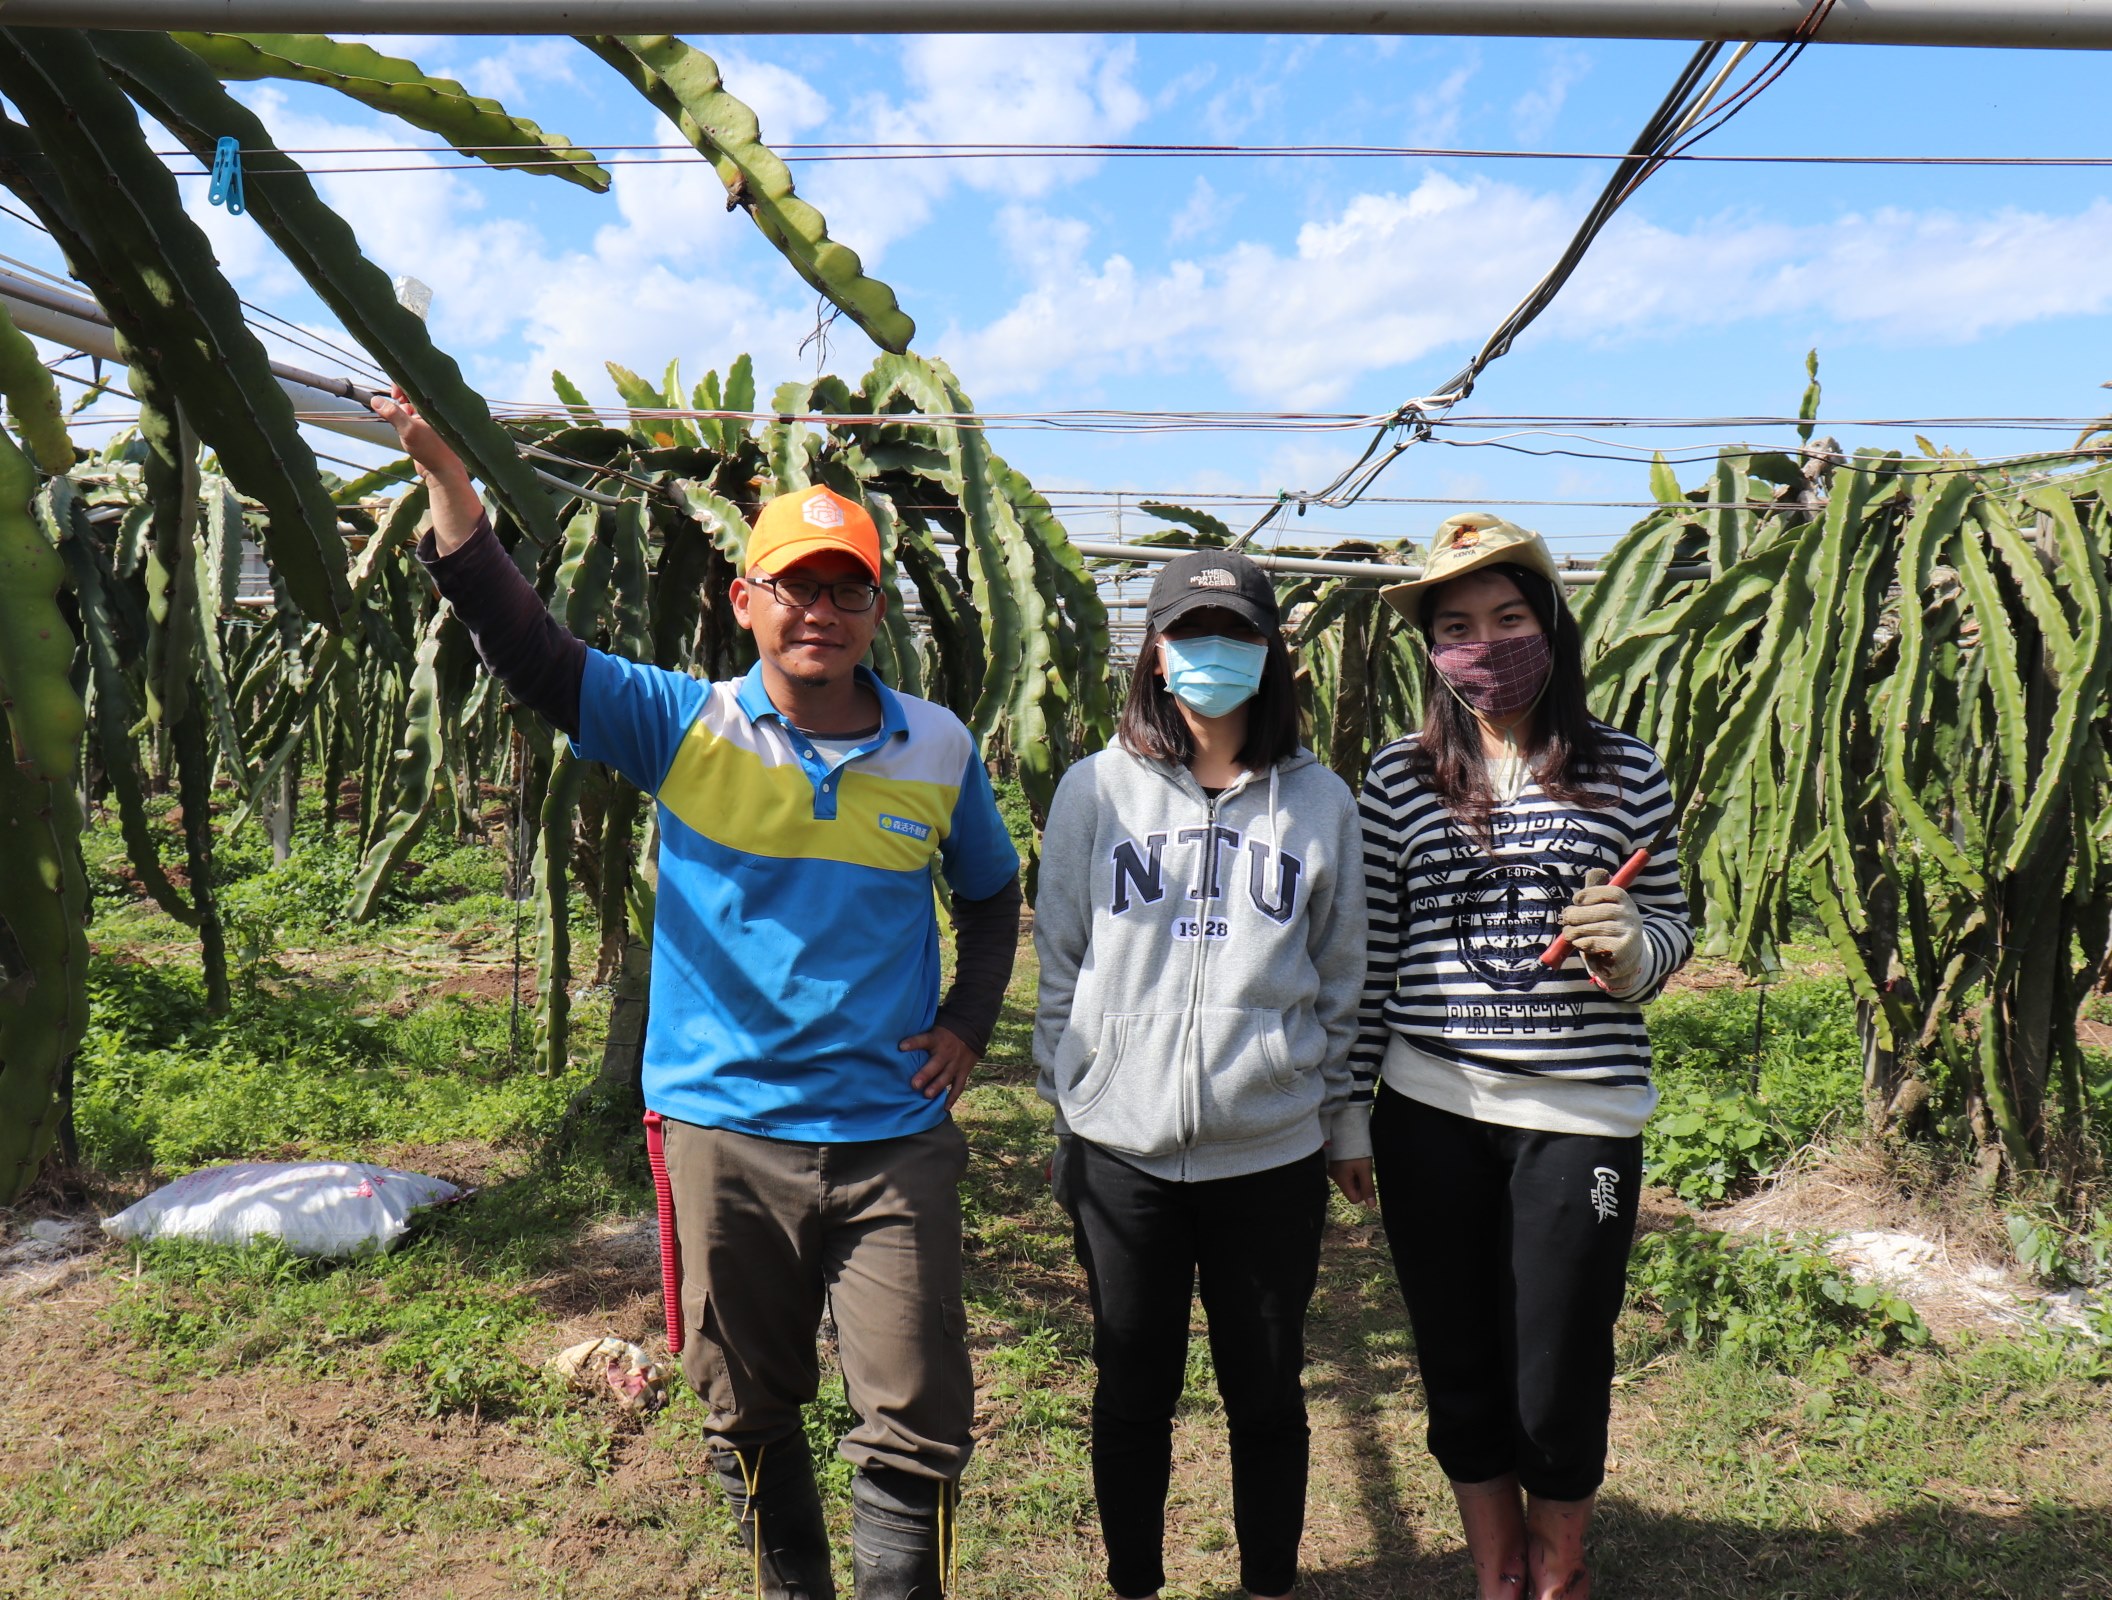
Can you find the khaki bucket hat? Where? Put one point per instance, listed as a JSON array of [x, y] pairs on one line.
[[1466, 543]]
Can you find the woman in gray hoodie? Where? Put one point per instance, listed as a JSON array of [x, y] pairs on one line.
[[1200, 924]]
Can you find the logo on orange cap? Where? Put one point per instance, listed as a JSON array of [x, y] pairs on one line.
[[807, 522]]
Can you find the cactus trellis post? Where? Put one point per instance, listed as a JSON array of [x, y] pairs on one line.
[[43, 891]]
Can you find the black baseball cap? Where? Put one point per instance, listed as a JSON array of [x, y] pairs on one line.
[[1215, 579]]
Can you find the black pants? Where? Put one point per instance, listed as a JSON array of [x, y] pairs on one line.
[[1255, 1242], [1512, 1252]]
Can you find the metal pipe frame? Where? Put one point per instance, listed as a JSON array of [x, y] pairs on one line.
[[79, 324], [2016, 24], [1314, 566]]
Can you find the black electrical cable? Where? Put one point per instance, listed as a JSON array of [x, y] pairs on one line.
[[1665, 133]]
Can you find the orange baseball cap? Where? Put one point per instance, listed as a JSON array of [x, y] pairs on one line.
[[807, 522]]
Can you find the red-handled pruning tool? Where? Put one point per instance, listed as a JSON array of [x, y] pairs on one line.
[[1631, 869]]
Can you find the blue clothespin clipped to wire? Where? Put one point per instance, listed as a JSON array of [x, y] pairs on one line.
[[227, 177]]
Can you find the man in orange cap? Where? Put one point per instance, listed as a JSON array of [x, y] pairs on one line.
[[800, 1063]]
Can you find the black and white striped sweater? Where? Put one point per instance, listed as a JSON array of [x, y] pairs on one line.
[[1458, 1011]]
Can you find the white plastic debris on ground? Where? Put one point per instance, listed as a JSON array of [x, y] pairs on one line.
[[1918, 1270], [48, 1253], [318, 1208]]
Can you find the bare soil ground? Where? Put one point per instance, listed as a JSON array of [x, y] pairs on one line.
[[338, 1485]]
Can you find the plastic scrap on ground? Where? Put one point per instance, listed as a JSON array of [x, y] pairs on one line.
[[49, 1252], [1920, 1270], [638, 1382]]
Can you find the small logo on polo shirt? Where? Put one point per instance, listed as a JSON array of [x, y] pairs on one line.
[[903, 825]]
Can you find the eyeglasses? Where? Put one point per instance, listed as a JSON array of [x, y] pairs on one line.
[[852, 594]]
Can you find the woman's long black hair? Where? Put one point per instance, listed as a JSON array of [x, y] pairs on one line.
[[1151, 724], [1566, 747]]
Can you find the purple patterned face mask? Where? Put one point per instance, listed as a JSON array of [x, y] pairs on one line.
[[1496, 677]]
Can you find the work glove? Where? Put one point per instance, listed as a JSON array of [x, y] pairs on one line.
[[1604, 924]]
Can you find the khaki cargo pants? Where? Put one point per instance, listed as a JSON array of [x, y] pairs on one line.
[[771, 1230]]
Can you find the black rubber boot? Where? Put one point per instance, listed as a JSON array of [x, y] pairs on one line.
[[772, 1495], [901, 1530]]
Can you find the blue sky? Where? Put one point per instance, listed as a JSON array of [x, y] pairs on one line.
[[1334, 285]]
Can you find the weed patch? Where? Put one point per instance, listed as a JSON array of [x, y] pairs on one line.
[[300, 1067], [1743, 1087], [1774, 1302]]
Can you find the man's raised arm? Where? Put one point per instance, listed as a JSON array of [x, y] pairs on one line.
[[521, 643]]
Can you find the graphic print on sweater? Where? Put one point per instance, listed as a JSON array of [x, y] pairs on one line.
[[1506, 914]]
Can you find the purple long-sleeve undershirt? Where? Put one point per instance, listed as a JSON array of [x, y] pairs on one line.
[[526, 648]]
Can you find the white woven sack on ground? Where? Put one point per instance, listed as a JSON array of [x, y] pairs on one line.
[[319, 1208]]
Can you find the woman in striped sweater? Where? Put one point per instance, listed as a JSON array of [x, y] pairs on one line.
[[1506, 1124]]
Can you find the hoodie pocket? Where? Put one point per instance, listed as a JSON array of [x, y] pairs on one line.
[[1137, 1094]]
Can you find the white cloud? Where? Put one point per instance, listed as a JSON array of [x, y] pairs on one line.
[[1389, 280], [1533, 113], [1171, 91], [507, 74], [1437, 109], [656, 281], [1254, 97], [1205, 211], [571, 322], [1941, 277], [970, 89], [673, 208], [786, 105], [1017, 89], [1078, 321]]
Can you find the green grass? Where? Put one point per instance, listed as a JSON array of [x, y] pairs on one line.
[[305, 1066]]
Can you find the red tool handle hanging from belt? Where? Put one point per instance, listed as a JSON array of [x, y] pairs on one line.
[[670, 1248]]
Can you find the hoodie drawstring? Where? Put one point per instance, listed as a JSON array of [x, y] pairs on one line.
[[1275, 835]]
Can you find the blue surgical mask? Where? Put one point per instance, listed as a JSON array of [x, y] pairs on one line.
[[1212, 675]]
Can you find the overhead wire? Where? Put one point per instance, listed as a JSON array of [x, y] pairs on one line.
[[1683, 118], [999, 150], [1699, 454], [1121, 420]]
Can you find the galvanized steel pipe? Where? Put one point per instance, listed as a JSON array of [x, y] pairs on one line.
[[78, 323], [2019, 24]]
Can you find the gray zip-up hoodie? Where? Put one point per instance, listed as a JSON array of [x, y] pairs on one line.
[[1200, 965]]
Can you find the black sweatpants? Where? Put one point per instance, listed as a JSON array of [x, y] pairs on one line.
[[1254, 1241], [1512, 1250]]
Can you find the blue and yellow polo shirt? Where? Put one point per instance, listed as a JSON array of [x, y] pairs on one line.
[[796, 936]]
